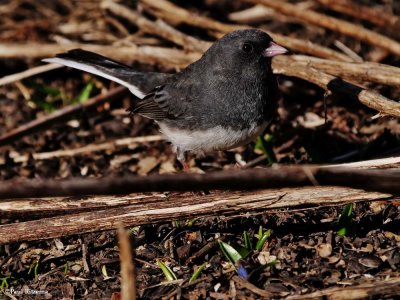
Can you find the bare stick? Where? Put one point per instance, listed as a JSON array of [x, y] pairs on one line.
[[253, 14], [376, 180], [150, 209], [35, 207], [369, 98], [363, 12], [112, 145], [333, 24], [166, 57], [386, 287], [252, 288], [59, 115], [28, 73], [128, 278], [390, 162], [366, 71], [174, 14]]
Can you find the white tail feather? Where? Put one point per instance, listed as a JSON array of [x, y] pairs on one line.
[[90, 69]]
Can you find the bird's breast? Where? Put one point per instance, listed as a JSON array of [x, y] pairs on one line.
[[214, 138]]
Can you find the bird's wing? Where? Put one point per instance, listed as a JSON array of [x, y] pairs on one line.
[[138, 83], [162, 103]]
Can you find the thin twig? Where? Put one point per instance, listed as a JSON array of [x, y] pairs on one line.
[[252, 288], [111, 145], [381, 163], [128, 276], [387, 287], [28, 73]]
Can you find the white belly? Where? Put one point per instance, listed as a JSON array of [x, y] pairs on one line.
[[217, 138]]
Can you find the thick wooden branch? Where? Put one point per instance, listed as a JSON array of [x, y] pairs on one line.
[[334, 84], [103, 213], [365, 71], [334, 24], [387, 181]]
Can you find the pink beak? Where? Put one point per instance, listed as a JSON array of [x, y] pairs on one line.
[[274, 50]]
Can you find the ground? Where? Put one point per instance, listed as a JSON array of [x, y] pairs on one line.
[[305, 250]]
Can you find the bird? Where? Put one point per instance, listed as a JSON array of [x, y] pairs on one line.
[[221, 101]]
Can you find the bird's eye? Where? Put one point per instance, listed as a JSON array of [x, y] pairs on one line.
[[247, 47]]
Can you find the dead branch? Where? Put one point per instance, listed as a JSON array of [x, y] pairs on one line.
[[175, 15], [260, 13], [159, 28], [253, 14], [386, 287], [112, 145], [59, 115], [251, 287], [386, 181], [365, 71], [333, 24], [28, 73], [167, 57], [363, 12], [100, 213], [48, 207], [128, 278], [382, 163], [369, 98]]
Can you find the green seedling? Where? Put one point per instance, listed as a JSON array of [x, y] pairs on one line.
[[104, 272], [345, 220], [247, 241], [265, 145], [230, 253], [262, 238], [196, 273], [4, 282], [66, 268], [235, 258], [34, 267], [84, 94], [191, 222], [168, 273]]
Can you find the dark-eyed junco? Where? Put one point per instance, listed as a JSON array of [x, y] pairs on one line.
[[222, 101]]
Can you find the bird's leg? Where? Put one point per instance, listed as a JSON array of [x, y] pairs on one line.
[[186, 167], [180, 155]]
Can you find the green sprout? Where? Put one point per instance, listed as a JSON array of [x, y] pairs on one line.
[[345, 220], [265, 145], [168, 273], [197, 272], [262, 238], [4, 282]]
